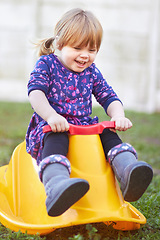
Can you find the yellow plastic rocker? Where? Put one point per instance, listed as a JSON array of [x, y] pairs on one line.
[[22, 195]]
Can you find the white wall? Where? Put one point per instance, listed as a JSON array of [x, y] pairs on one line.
[[129, 57]]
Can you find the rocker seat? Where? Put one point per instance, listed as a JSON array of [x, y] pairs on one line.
[[22, 195]]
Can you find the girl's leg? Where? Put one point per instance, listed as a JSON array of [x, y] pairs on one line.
[[109, 140], [134, 176], [55, 143], [61, 190]]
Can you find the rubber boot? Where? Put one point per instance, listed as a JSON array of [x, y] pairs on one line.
[[134, 176], [61, 190]]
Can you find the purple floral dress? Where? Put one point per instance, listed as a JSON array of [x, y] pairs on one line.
[[69, 93]]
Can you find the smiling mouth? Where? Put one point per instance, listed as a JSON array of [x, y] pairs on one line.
[[81, 63]]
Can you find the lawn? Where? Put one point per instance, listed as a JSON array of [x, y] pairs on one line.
[[144, 136]]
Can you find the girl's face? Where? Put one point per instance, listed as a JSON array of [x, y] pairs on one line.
[[77, 59]]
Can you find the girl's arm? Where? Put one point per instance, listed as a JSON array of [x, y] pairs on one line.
[[116, 112], [42, 107]]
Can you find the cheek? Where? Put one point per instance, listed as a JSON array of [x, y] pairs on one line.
[[92, 58], [66, 58]]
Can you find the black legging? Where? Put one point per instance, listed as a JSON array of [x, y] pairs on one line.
[[109, 140], [57, 143]]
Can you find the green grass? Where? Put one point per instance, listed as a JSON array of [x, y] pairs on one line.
[[14, 119], [144, 136]]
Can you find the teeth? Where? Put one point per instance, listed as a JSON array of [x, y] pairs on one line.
[[82, 62]]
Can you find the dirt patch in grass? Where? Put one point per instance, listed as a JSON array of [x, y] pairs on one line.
[[97, 231], [151, 140], [156, 171]]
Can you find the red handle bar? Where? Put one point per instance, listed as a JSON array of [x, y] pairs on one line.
[[85, 129]]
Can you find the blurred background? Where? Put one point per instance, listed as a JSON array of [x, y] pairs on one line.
[[129, 57]]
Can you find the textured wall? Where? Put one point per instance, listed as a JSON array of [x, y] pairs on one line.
[[129, 57]]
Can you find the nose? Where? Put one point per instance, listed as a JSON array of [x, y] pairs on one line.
[[84, 55]]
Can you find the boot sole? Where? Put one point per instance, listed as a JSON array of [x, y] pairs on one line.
[[138, 181], [65, 199]]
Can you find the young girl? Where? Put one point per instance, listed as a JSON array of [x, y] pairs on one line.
[[60, 91]]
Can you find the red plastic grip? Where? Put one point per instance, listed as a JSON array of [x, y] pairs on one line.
[[85, 129]]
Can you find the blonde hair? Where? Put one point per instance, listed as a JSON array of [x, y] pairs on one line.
[[76, 28]]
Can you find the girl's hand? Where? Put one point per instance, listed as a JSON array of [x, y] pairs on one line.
[[116, 112], [122, 123], [58, 123]]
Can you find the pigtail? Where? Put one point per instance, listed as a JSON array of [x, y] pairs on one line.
[[45, 46]]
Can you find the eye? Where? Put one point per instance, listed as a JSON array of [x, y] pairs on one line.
[[77, 48], [92, 50]]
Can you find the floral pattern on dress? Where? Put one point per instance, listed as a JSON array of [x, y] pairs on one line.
[[69, 93]]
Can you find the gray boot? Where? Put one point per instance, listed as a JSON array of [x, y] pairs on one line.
[[134, 176], [61, 190]]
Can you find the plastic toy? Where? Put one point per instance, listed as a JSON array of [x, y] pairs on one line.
[[22, 195]]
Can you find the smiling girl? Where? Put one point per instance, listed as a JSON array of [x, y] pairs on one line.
[[60, 91]]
